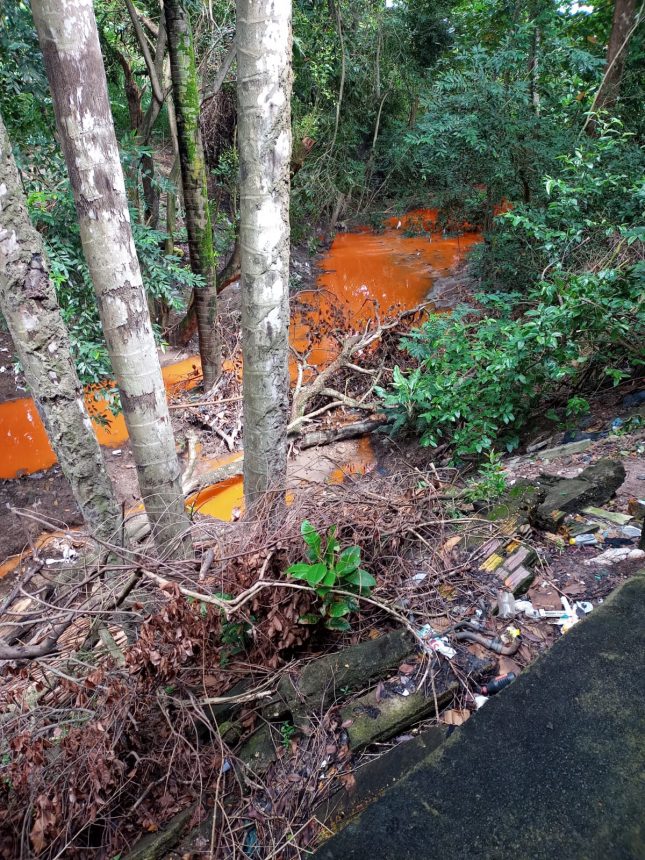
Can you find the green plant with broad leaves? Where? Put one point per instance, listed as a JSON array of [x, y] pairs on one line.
[[490, 482], [330, 570], [533, 347]]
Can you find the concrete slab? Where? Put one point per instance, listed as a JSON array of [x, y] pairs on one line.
[[554, 766]]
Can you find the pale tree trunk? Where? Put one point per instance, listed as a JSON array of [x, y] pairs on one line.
[[534, 61], [203, 259], [70, 46], [264, 136], [28, 303]]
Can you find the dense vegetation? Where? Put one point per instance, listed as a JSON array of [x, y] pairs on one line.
[[460, 105]]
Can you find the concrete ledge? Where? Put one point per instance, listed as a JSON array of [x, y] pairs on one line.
[[552, 767]]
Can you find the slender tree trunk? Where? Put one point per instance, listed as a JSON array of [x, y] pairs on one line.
[[70, 46], [28, 303], [621, 26], [534, 61], [264, 136], [343, 63], [203, 258]]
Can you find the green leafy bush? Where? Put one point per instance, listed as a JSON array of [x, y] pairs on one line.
[[482, 373], [166, 277], [328, 568]]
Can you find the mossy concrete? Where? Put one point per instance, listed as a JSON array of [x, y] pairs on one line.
[[594, 486], [552, 767]]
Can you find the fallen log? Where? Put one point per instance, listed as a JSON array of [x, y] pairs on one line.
[[337, 434]]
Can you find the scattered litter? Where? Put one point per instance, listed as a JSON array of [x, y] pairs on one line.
[[611, 516], [527, 608], [612, 556], [117, 452], [498, 683], [584, 540], [480, 701], [505, 604], [616, 424], [436, 643], [572, 614], [632, 531], [226, 766]]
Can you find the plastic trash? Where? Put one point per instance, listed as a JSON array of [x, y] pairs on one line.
[[631, 531], [572, 614], [498, 684], [432, 642], [480, 701], [506, 606], [616, 424], [586, 539], [527, 608]]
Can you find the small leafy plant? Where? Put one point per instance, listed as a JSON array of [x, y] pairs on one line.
[[287, 731], [490, 483], [329, 569]]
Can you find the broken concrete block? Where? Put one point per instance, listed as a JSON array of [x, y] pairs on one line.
[[564, 450], [611, 516], [320, 682], [384, 712], [258, 752], [595, 485], [613, 556], [517, 504]]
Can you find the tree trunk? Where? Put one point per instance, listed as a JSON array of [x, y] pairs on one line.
[[534, 60], [28, 303], [203, 259], [70, 46], [621, 27], [264, 135]]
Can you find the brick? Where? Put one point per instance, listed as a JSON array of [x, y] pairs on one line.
[[524, 555], [519, 580]]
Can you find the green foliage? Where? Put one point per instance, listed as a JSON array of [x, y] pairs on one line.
[[329, 569], [491, 482], [481, 373], [166, 277], [287, 732]]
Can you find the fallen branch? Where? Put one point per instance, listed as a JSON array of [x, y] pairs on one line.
[[337, 434]]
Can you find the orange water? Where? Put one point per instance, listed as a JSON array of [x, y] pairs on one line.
[[226, 499], [363, 275], [24, 446]]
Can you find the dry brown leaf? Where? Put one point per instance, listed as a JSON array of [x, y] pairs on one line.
[[455, 716]]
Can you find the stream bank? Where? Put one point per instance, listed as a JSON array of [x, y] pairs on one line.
[[361, 277]]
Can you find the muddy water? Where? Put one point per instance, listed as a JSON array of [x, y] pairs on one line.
[[363, 275]]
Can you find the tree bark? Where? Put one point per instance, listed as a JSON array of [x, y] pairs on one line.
[[203, 258], [534, 61], [70, 46], [264, 135], [29, 306], [621, 26]]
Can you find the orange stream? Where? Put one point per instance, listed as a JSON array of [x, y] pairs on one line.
[[362, 275]]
